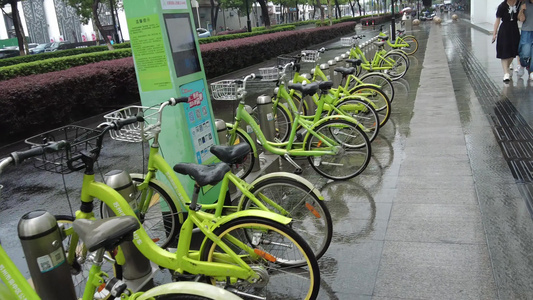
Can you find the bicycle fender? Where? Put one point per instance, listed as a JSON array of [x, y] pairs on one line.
[[189, 288], [289, 176], [246, 135], [335, 117], [381, 74]]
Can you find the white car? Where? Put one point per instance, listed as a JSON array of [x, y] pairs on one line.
[[203, 33]]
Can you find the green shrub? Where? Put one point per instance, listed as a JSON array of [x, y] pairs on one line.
[[227, 37], [60, 63], [62, 53]]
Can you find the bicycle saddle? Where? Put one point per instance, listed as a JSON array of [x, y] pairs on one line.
[[345, 71], [400, 31], [325, 85], [383, 37], [106, 233], [203, 174], [355, 62], [379, 44], [308, 89], [231, 154]]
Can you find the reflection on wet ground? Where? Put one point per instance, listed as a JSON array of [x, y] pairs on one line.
[[370, 211]]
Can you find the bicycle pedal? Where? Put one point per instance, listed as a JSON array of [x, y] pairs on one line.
[[298, 171]]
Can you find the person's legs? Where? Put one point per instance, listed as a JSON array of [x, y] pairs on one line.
[[506, 62], [524, 50]]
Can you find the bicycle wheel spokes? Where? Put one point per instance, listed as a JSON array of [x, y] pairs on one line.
[[243, 169], [366, 116], [379, 79], [310, 216], [274, 248], [397, 63], [353, 146]]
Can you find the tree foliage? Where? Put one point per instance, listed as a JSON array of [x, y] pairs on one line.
[[88, 10]]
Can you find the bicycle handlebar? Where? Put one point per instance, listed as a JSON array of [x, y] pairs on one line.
[[17, 157]]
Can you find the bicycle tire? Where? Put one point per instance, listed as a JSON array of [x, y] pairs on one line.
[[310, 216], [245, 168], [354, 143], [399, 68], [83, 262], [379, 101], [413, 44], [276, 268], [161, 222], [363, 112], [380, 79], [402, 53]]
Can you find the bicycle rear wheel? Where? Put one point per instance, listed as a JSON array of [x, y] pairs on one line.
[[382, 81], [310, 216], [353, 146], [359, 109], [282, 123], [397, 64], [83, 260], [379, 101], [272, 250], [413, 44]]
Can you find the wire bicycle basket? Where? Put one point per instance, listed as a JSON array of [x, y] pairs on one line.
[[310, 56], [348, 41], [225, 89], [136, 132], [78, 139], [269, 74]]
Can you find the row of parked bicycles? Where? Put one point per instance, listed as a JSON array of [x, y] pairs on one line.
[[264, 246]]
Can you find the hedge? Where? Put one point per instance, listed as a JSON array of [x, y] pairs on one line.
[[227, 37], [37, 103], [62, 53], [41, 102], [227, 56], [61, 63]]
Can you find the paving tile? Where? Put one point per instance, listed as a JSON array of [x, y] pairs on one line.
[[451, 196], [439, 223], [435, 271]]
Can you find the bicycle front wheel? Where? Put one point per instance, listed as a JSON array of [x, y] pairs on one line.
[[245, 168], [413, 44], [157, 214], [353, 148], [83, 260], [271, 249], [310, 216]]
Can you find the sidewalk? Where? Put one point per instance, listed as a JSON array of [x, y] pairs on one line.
[[441, 212]]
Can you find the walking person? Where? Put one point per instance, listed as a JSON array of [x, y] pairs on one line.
[[525, 15], [507, 35]]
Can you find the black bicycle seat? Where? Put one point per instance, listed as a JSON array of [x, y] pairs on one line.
[[345, 71], [355, 62], [235, 154], [203, 174], [307, 89]]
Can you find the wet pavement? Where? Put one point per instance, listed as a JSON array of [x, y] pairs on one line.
[[443, 209]]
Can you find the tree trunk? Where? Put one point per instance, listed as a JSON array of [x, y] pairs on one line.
[[358, 6], [330, 13], [214, 15], [338, 9], [18, 26], [321, 10], [99, 25], [297, 12], [264, 12]]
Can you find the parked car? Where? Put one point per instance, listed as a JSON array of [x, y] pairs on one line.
[[40, 48], [427, 16], [5, 53], [203, 33], [56, 46]]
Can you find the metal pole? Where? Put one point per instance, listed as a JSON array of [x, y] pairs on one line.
[[115, 33], [393, 25]]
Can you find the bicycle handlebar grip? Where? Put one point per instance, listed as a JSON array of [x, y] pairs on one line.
[[174, 101], [20, 156], [123, 122], [259, 76]]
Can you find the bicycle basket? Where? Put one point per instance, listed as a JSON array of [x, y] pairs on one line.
[[347, 41], [77, 138], [225, 90], [310, 55], [136, 132], [269, 74], [283, 60]]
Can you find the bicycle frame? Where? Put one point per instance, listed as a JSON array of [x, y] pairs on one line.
[[379, 56], [183, 260], [16, 284]]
